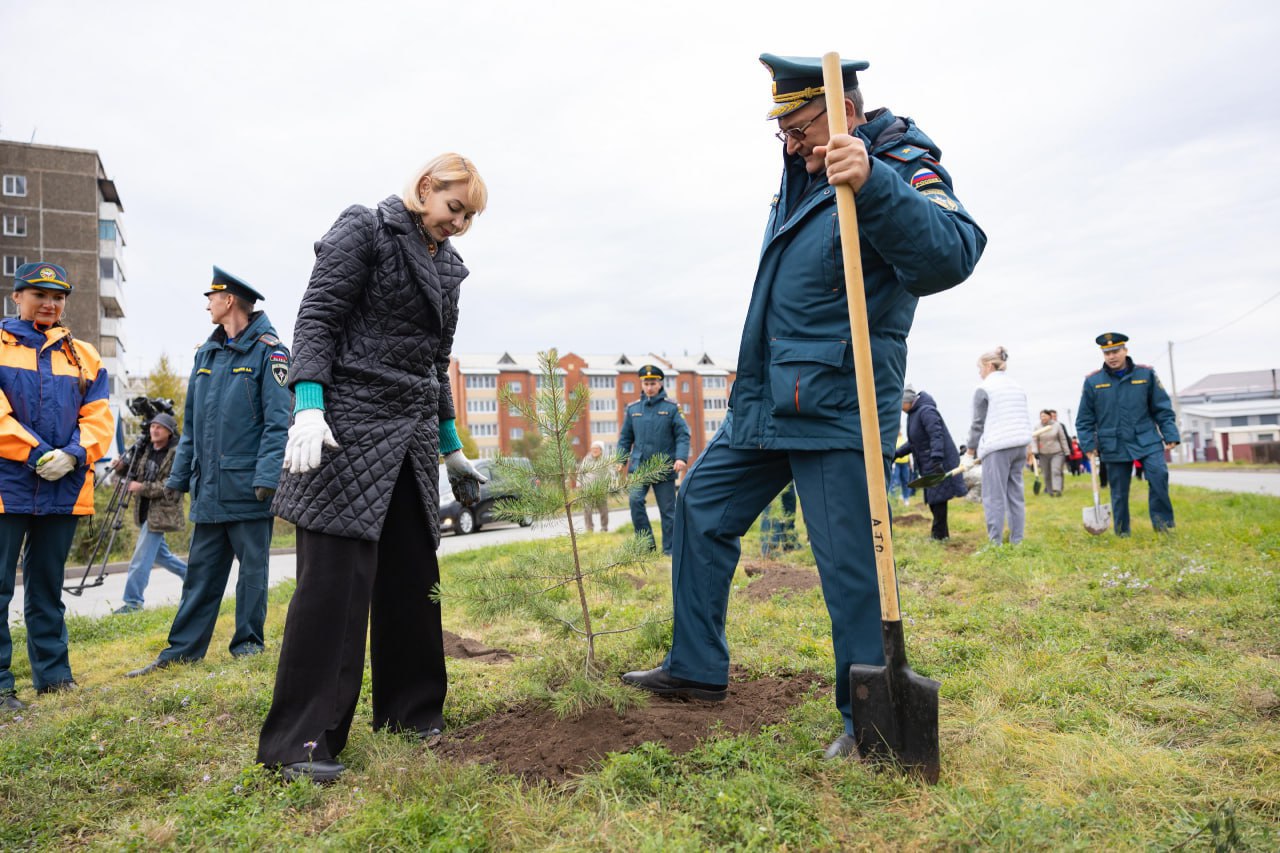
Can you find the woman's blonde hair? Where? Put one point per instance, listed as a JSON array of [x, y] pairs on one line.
[[444, 171], [997, 358]]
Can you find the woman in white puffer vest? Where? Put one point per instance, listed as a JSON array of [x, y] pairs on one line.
[[999, 437]]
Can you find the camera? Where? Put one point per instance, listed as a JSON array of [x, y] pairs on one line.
[[148, 407]]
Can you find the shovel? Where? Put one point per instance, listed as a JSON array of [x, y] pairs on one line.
[[1097, 518], [1035, 466], [928, 481], [895, 711]]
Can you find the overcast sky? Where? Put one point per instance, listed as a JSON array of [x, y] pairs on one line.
[[1117, 155]]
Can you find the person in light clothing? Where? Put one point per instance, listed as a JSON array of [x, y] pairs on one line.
[[998, 438]]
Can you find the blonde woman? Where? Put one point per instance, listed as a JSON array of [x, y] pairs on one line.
[[998, 438], [373, 413]]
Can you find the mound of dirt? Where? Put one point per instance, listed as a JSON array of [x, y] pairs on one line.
[[532, 743], [469, 649], [770, 579], [911, 519]]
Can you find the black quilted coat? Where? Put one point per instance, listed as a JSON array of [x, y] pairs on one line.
[[375, 329], [932, 449]]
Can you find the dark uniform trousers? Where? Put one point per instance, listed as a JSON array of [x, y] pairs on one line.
[[664, 494], [722, 494], [1158, 504], [213, 547], [342, 582], [44, 563]]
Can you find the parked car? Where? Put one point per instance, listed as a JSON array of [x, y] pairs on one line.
[[463, 520]]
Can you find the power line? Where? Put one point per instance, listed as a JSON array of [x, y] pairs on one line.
[[1233, 322]]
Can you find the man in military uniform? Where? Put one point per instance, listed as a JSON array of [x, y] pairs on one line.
[[230, 456], [794, 408], [653, 425], [1125, 416]]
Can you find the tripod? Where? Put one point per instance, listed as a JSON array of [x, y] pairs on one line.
[[114, 517]]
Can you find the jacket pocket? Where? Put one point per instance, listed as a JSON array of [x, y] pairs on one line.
[[235, 478], [809, 378], [1109, 442]]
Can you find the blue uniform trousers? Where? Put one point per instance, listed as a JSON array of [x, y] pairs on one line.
[[664, 494], [213, 546], [151, 549], [722, 494], [44, 563], [1158, 503]]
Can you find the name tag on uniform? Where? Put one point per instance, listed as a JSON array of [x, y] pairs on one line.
[[242, 370], [1103, 385], [664, 414], [636, 414], [1139, 382], [204, 371]]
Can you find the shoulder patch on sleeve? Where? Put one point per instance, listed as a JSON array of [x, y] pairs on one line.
[[940, 198], [906, 153], [924, 178]]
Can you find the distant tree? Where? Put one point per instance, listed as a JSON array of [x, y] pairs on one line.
[[554, 581], [469, 447], [527, 445], [164, 382]]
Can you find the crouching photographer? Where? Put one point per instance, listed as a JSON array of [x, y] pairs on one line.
[[157, 513]]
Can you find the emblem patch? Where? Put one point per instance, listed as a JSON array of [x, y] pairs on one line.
[[941, 199], [280, 371], [47, 272], [924, 178]]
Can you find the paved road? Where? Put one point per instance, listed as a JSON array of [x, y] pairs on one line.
[[1255, 482], [166, 589]]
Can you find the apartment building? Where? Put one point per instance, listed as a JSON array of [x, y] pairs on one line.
[[57, 204], [699, 385]]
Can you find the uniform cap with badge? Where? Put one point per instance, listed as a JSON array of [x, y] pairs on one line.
[[1110, 341], [43, 275], [225, 282], [650, 371], [797, 80]]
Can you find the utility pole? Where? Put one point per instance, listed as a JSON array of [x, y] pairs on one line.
[[1177, 409]]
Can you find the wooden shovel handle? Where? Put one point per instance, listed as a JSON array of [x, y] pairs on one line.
[[877, 496]]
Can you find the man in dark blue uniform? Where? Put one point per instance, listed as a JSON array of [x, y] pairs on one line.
[[230, 456], [1126, 416], [793, 411], [651, 426]]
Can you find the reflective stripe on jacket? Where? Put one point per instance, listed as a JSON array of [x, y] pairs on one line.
[[41, 409]]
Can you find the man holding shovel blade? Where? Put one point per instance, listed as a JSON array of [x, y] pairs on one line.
[[793, 413], [1125, 415]]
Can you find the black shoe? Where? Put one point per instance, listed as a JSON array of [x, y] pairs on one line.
[[430, 736], [126, 608], [245, 650], [323, 772], [9, 701], [842, 747], [58, 687], [663, 683], [156, 664]]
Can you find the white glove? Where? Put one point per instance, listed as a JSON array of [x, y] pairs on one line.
[[307, 437], [458, 466], [55, 465]]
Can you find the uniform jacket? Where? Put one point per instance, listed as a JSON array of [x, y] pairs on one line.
[[930, 443], [375, 329], [164, 514], [235, 424], [795, 387], [42, 408], [1125, 418], [650, 426], [1001, 419]]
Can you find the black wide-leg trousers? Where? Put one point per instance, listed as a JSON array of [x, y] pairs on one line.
[[346, 587]]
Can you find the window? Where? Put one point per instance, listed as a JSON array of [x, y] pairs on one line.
[[480, 407], [1266, 436], [106, 229], [684, 387], [601, 383], [15, 185], [515, 412], [15, 226], [1239, 420], [628, 387], [604, 427], [483, 430], [1269, 419], [107, 267], [609, 405], [515, 387], [715, 403], [517, 432], [714, 381], [712, 426], [10, 308], [11, 264], [482, 382]]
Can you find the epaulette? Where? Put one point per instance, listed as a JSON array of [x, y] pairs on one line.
[[906, 153], [269, 339], [1147, 366], [1095, 373]]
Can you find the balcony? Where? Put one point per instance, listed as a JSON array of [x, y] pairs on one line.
[[111, 292]]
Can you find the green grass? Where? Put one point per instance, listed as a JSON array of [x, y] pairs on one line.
[[1098, 693]]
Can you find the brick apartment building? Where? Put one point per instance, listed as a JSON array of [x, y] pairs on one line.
[[58, 205], [699, 385]]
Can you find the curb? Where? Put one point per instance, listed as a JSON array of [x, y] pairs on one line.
[[72, 574]]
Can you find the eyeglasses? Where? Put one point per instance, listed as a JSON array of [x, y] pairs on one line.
[[797, 133]]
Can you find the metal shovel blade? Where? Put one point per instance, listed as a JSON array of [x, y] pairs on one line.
[[1097, 519], [928, 481], [895, 711]]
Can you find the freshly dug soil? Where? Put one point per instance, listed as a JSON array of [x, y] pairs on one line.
[[531, 743], [469, 649], [770, 579]]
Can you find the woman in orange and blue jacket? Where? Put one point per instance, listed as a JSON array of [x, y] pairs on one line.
[[54, 424]]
